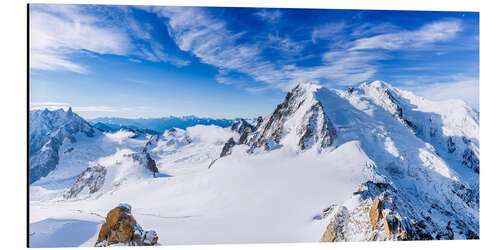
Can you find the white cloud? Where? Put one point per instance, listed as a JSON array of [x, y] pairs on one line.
[[452, 87], [53, 61], [213, 43], [327, 31], [269, 15], [369, 29], [58, 32], [430, 33], [209, 40]]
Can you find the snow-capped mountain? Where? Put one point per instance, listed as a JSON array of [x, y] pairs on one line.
[[421, 150], [372, 162], [48, 131], [158, 124]]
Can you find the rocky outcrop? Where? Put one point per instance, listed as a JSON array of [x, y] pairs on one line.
[[91, 179], [384, 213], [226, 150], [242, 126], [470, 160], [314, 126], [121, 228], [336, 228], [271, 127], [375, 212], [244, 129], [145, 160], [451, 145]]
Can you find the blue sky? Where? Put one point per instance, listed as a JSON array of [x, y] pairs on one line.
[[144, 61]]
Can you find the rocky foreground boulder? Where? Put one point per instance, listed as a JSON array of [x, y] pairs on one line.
[[121, 228]]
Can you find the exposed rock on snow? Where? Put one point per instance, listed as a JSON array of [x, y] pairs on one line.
[[376, 212], [226, 150], [121, 228], [145, 160], [244, 129], [390, 216], [335, 230], [242, 126], [299, 116], [92, 179]]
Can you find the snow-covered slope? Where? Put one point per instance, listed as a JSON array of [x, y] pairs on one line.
[[48, 131], [369, 163]]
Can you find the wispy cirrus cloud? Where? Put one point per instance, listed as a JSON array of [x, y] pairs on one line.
[[353, 54], [327, 31], [59, 33], [450, 87], [213, 43], [269, 15], [428, 34]]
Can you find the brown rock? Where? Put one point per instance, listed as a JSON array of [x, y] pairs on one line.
[[104, 232], [121, 227], [329, 235], [375, 212], [404, 235]]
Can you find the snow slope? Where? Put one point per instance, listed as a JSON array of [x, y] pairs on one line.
[[319, 152]]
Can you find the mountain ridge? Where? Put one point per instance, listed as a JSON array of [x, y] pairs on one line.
[[161, 124], [371, 162]]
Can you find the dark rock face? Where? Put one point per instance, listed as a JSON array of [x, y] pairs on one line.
[[48, 130], [145, 160], [466, 194], [92, 178], [226, 150], [122, 228], [244, 129], [272, 126], [259, 122], [310, 133], [241, 126], [316, 126], [451, 145], [470, 160]]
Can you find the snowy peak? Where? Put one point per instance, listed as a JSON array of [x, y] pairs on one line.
[[383, 95], [450, 126], [299, 121], [48, 131]]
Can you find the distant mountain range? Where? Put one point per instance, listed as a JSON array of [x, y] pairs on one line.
[[157, 124]]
